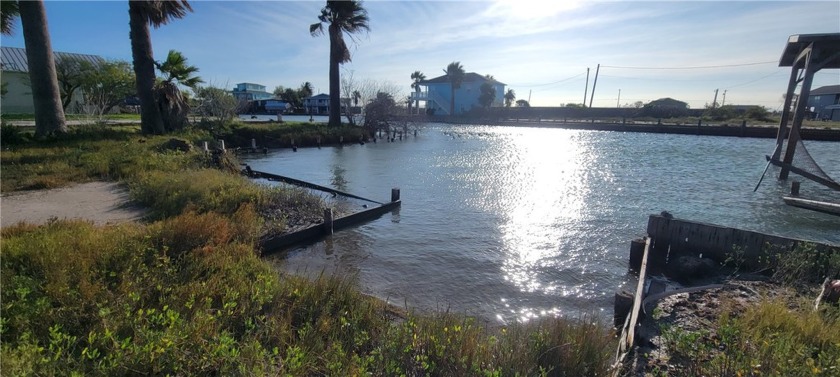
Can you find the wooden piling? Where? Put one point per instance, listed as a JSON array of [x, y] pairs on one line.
[[254, 144], [206, 147], [637, 250], [328, 221], [794, 188], [221, 145], [395, 194]]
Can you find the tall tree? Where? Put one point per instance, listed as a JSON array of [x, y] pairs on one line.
[[510, 96], [417, 76], [46, 96], [342, 17], [71, 73], [455, 73], [356, 97], [142, 14]]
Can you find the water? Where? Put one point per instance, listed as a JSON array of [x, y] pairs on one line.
[[286, 118], [513, 223]]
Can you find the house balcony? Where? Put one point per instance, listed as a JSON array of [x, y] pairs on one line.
[[419, 96]]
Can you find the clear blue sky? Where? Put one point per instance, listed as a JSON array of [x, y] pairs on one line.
[[541, 47]]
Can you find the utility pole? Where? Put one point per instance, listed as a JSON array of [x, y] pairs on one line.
[[586, 88], [529, 97], [723, 102], [714, 101], [618, 101], [595, 82]]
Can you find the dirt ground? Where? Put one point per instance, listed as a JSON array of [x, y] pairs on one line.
[[100, 202]]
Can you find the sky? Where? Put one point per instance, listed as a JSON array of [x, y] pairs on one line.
[[541, 49]]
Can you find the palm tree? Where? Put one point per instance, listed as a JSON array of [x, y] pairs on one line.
[[143, 13], [510, 96], [306, 90], [343, 17], [417, 76], [8, 11], [455, 73], [46, 96], [173, 107]]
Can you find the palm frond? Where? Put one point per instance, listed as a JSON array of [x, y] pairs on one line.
[[161, 12], [8, 12]]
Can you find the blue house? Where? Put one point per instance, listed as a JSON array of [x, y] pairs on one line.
[[824, 102], [438, 93], [320, 104], [247, 91]]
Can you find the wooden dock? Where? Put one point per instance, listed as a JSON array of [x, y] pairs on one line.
[[329, 225]]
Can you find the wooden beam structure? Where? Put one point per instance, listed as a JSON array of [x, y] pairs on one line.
[[806, 54]]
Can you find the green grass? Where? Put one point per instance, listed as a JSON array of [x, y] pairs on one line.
[[769, 339], [88, 153], [782, 336], [187, 294], [71, 116]]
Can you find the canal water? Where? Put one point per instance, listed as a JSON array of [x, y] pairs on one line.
[[513, 223]]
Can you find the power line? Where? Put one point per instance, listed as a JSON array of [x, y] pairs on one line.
[[695, 67], [550, 83]]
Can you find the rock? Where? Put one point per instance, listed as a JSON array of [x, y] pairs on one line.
[[176, 145], [689, 267], [831, 291]]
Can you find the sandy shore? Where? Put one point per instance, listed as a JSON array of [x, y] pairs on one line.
[[100, 202]]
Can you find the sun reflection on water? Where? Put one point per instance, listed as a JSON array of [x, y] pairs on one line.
[[547, 197]]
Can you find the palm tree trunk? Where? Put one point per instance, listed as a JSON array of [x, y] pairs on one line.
[[49, 114], [144, 69], [335, 90]]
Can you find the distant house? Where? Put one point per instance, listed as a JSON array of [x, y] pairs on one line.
[[268, 106], [247, 91], [824, 102], [15, 78], [665, 108], [320, 104], [438, 94]]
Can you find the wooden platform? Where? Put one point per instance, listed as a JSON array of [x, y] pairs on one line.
[[814, 205]]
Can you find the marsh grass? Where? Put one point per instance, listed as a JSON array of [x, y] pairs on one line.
[[783, 336], [768, 339], [188, 295], [88, 153]]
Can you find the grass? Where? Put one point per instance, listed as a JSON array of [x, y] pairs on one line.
[[73, 117], [783, 336], [187, 294]]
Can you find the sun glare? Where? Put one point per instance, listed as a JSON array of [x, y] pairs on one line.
[[533, 9]]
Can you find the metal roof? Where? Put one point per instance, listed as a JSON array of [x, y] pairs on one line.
[[14, 58], [828, 44], [828, 89]]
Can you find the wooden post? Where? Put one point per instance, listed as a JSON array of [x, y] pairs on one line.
[[623, 121], [222, 145], [253, 143], [206, 147], [794, 188], [395, 194], [328, 220], [637, 249], [341, 139]]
